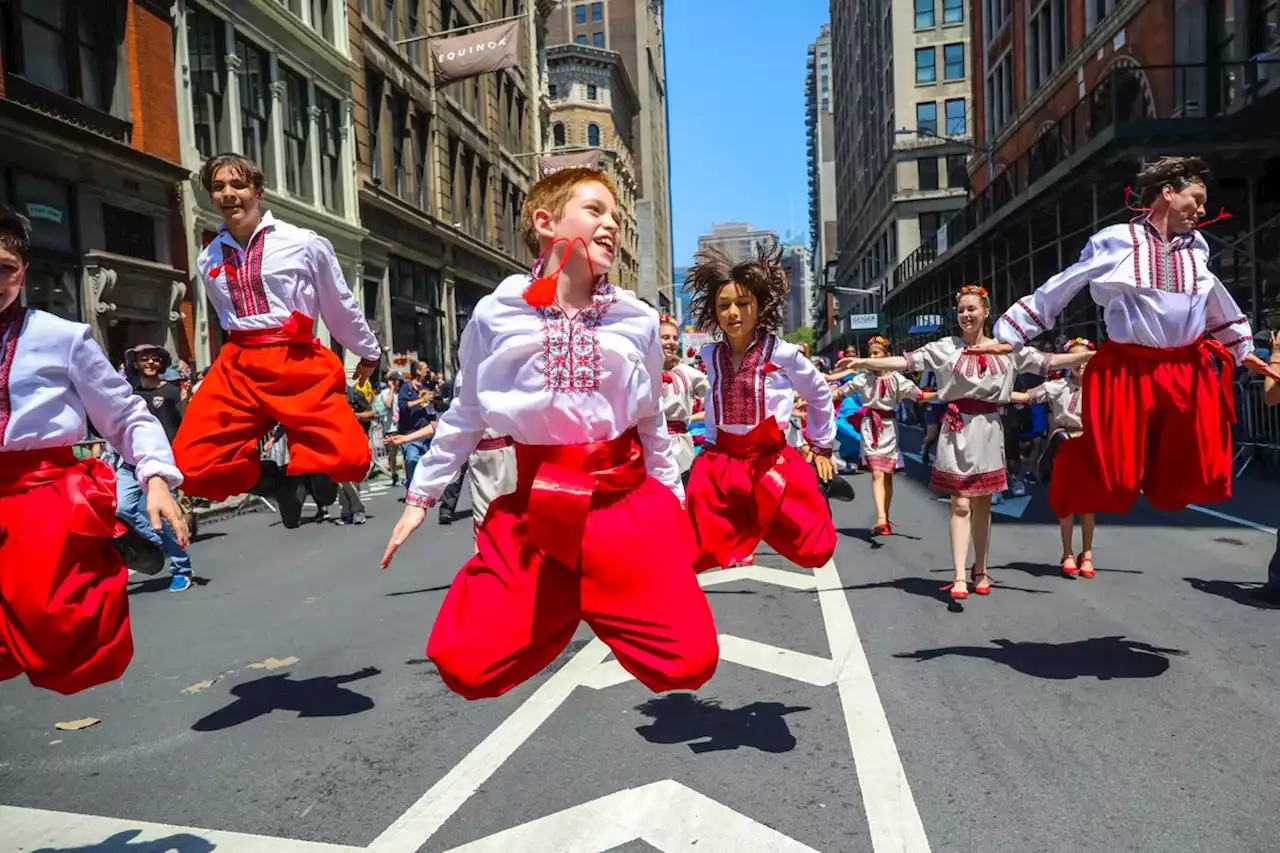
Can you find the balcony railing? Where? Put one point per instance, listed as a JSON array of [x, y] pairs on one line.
[[1126, 97]]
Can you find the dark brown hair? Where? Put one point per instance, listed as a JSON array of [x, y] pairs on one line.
[[762, 276], [1177, 172], [15, 232], [245, 167], [552, 193]]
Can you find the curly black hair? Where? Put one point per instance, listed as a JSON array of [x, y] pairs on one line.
[[762, 276], [1177, 172]]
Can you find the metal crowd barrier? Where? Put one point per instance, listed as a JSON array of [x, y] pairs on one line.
[[1257, 428]]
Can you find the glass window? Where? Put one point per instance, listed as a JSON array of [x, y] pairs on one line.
[[580, 38], [399, 123], [424, 159], [597, 39], [957, 171], [953, 57], [580, 13], [592, 92], [63, 46], [927, 118], [389, 20], [557, 134], [330, 148], [928, 173], [44, 44], [206, 58], [593, 134], [411, 31], [255, 101], [952, 11], [52, 286], [129, 233], [597, 11], [322, 21], [297, 135], [924, 14], [553, 91], [48, 205], [928, 226], [373, 93], [956, 124], [926, 65]]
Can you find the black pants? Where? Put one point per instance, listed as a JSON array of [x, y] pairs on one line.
[[449, 498]]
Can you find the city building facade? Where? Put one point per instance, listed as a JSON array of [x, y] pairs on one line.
[[902, 83], [820, 142], [270, 80], [90, 153], [634, 29], [441, 171], [797, 313], [1075, 97], [594, 105], [738, 240]]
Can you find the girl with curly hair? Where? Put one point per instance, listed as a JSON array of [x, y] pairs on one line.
[[749, 484], [1154, 388], [975, 380]]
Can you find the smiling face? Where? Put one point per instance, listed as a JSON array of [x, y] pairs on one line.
[[669, 335], [972, 312], [149, 363], [1186, 206], [238, 201], [589, 223], [737, 312], [877, 350]]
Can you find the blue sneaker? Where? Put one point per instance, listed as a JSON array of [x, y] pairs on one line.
[[180, 583]]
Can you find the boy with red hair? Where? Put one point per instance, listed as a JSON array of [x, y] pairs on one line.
[[571, 368]]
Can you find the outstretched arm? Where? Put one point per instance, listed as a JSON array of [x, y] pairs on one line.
[[889, 362], [1033, 315], [1068, 360]]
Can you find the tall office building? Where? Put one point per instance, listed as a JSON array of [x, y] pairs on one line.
[[738, 240], [796, 313], [820, 137], [634, 29]]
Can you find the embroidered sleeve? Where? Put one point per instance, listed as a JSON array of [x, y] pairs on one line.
[[907, 390], [1028, 360], [419, 500], [1040, 393], [338, 308], [1225, 321], [1033, 315], [931, 356]]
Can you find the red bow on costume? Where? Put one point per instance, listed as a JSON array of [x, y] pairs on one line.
[[769, 367], [667, 378], [877, 423]]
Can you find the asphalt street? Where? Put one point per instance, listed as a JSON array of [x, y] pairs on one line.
[[286, 699]]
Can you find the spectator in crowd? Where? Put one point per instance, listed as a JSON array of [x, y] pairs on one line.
[[416, 414], [387, 411], [349, 493], [1269, 593], [144, 367]]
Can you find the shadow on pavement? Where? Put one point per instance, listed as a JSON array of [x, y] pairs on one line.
[[862, 534], [120, 843], [201, 537], [708, 727], [1103, 658], [1053, 570], [418, 591], [161, 584], [322, 696], [1238, 591], [930, 588]]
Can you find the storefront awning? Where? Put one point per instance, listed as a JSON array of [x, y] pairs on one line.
[[923, 330]]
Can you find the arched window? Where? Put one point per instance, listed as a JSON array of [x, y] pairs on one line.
[[558, 134], [593, 134]]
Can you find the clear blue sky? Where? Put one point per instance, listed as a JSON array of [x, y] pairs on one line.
[[735, 83]]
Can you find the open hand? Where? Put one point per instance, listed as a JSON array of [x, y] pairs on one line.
[[825, 467], [161, 507], [410, 521], [1260, 367], [849, 364], [362, 372]]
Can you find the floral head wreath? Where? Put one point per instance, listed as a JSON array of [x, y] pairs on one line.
[[969, 289], [1078, 342], [667, 318], [879, 339]]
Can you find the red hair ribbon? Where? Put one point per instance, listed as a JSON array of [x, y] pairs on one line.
[[1078, 342], [969, 289], [541, 292]]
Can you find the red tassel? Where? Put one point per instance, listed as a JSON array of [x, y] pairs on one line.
[[1128, 194], [1222, 215], [541, 292]]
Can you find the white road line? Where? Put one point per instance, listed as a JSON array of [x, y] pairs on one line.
[[35, 829], [665, 815], [763, 574], [1244, 522], [437, 805], [891, 811], [799, 666], [606, 675]]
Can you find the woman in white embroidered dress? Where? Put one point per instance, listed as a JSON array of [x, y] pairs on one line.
[[749, 484], [571, 368], [1061, 463], [975, 380], [682, 387]]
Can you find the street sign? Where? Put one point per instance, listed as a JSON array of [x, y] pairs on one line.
[[864, 322]]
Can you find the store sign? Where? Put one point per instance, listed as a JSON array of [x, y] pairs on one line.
[[928, 320], [942, 238], [864, 322], [47, 212]]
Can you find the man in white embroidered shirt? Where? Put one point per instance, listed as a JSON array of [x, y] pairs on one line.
[[268, 281], [1153, 392]]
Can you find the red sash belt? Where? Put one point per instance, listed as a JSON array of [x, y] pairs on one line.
[[877, 421], [495, 443], [561, 481], [298, 329], [1197, 352], [89, 484], [677, 427], [953, 419], [762, 447]]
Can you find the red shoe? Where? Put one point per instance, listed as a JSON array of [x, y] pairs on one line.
[[1072, 570], [978, 578], [1084, 561], [957, 594], [884, 529]]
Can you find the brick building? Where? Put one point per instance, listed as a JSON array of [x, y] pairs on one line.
[[594, 105], [443, 171], [1074, 97], [90, 152]]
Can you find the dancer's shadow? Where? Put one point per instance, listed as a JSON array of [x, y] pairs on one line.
[[1103, 658], [322, 696], [1048, 570], [120, 843], [930, 588], [161, 584], [707, 727], [1237, 591], [419, 591]]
